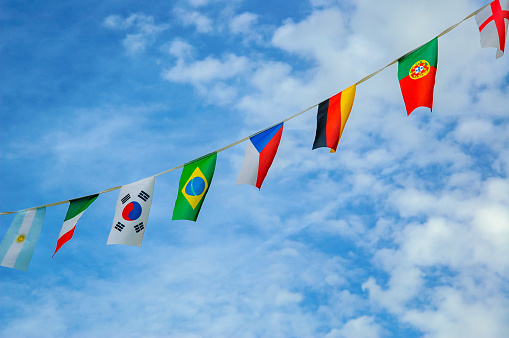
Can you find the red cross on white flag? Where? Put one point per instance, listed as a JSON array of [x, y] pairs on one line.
[[492, 22]]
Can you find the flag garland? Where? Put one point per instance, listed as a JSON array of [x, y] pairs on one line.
[[18, 244]]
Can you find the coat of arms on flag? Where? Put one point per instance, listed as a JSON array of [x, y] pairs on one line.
[[492, 22], [131, 213]]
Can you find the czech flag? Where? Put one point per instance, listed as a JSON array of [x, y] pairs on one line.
[[260, 153]]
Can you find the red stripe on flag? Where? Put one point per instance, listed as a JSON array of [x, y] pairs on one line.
[[418, 93], [64, 239], [481, 27], [334, 121], [267, 156]]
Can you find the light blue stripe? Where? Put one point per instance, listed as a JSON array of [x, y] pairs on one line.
[[11, 234], [25, 255]]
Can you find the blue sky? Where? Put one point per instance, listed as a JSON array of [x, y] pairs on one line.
[[403, 232]]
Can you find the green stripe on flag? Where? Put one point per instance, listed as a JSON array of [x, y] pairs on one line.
[[428, 52], [77, 206]]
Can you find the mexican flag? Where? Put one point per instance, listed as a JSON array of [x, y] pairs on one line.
[[416, 74]]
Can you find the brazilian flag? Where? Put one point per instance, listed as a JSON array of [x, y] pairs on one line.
[[193, 186]]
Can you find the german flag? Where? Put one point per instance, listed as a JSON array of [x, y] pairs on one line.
[[331, 119], [416, 75]]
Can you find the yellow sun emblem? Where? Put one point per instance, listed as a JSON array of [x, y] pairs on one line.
[[21, 238], [419, 70]]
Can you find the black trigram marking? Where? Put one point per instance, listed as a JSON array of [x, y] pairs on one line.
[[119, 226], [143, 195], [139, 227], [125, 198]]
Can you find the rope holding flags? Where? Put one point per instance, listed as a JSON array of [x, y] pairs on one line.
[[364, 79], [416, 74]]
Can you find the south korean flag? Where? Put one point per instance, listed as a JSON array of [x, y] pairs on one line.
[[131, 214]]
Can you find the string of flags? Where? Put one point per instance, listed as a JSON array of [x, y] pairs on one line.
[[416, 74]]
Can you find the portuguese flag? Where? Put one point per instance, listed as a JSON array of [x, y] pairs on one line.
[[416, 74]]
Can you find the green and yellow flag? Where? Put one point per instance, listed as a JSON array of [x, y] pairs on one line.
[[193, 186], [416, 74]]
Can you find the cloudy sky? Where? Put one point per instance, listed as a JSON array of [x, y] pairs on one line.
[[403, 232]]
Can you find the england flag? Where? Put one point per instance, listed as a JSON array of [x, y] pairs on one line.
[[492, 22]]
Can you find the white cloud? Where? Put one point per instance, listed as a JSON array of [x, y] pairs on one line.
[[180, 49], [135, 43], [202, 23], [207, 70], [199, 3], [144, 23], [202, 3], [364, 327], [320, 36], [323, 3], [285, 297], [242, 23], [214, 78], [467, 235], [144, 26], [462, 314], [476, 131], [117, 22]]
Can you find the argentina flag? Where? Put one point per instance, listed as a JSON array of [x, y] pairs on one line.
[[19, 242]]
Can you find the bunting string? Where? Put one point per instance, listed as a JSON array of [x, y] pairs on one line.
[[261, 131]]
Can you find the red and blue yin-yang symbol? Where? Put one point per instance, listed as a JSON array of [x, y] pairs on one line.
[[132, 211]]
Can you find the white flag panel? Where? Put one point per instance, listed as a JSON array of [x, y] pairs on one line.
[[131, 213]]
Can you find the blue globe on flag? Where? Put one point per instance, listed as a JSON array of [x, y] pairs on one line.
[[195, 186]]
